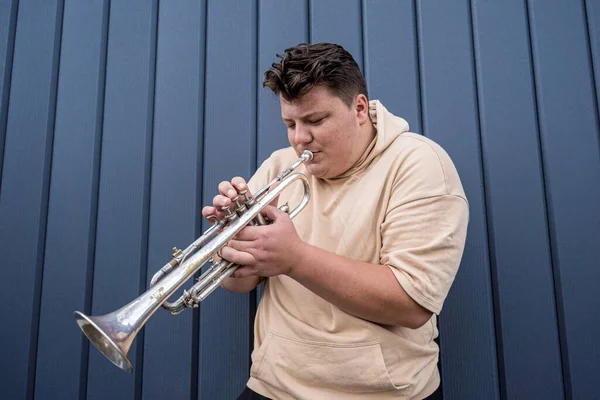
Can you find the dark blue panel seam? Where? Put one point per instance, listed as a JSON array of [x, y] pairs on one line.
[[254, 153], [551, 227], [418, 85], [489, 223], [89, 284], [5, 101], [196, 369], [418, 66], [139, 374], [419, 45], [253, 294], [43, 222], [363, 35], [308, 21], [592, 71], [253, 147]]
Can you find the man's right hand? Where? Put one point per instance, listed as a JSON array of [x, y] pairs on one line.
[[228, 191]]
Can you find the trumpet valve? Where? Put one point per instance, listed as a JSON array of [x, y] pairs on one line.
[[248, 200], [245, 194], [285, 208], [229, 214], [240, 206]]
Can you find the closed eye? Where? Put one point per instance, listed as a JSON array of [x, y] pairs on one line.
[[317, 121]]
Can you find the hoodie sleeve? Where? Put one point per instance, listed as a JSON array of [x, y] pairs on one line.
[[425, 226]]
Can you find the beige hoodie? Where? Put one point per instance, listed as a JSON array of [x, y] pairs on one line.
[[401, 205]]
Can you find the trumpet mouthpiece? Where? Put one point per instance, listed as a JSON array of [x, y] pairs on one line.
[[307, 155]]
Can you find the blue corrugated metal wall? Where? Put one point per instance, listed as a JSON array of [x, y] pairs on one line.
[[119, 118]]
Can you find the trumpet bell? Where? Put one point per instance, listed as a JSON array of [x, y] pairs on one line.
[[97, 330]]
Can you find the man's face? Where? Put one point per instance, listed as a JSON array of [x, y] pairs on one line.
[[325, 125]]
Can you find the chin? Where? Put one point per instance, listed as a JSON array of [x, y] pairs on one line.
[[314, 170], [317, 172]]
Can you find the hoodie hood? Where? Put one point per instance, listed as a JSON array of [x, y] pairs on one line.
[[388, 128]]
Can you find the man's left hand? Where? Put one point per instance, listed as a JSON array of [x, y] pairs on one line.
[[267, 250]]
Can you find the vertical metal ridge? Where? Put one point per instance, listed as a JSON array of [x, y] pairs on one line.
[[560, 314], [94, 198], [419, 69], [253, 87], [143, 271], [256, 27], [252, 296], [501, 367], [196, 369], [591, 64], [364, 41], [308, 20], [7, 79], [43, 222], [419, 91], [418, 66]]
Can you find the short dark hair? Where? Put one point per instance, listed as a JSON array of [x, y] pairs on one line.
[[323, 64]]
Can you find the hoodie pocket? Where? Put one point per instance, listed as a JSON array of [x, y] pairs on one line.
[[357, 367]]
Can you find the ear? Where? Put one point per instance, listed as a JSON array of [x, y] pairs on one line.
[[362, 109]]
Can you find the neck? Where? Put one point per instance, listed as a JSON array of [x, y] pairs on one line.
[[368, 133]]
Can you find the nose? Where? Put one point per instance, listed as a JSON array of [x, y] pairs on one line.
[[302, 134]]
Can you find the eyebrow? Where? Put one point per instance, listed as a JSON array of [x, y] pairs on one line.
[[307, 116]]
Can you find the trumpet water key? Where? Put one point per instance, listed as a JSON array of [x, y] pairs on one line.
[[112, 334]]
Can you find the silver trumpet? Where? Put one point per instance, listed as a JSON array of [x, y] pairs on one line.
[[113, 333]]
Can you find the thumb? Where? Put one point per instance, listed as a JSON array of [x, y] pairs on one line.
[[273, 213]]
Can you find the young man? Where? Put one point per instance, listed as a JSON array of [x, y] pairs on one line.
[[353, 284]]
